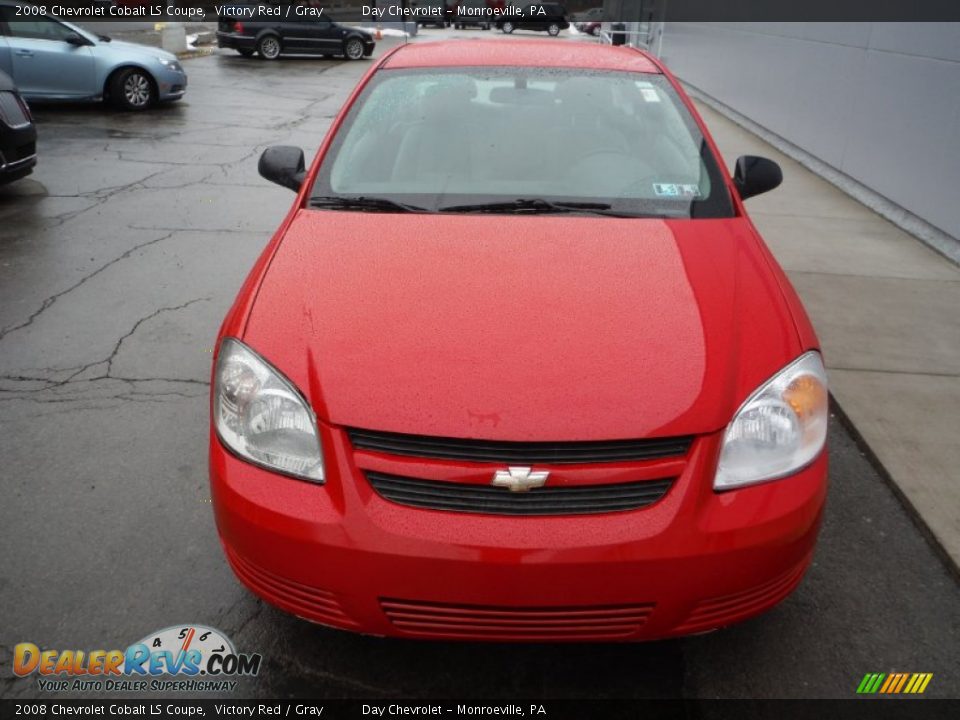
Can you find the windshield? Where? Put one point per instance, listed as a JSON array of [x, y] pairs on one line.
[[458, 139]]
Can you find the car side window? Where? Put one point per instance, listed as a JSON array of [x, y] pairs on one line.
[[38, 29]]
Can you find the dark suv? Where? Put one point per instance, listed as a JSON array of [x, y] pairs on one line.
[[549, 17], [18, 136]]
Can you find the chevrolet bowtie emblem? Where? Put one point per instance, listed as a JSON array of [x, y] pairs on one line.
[[519, 479]]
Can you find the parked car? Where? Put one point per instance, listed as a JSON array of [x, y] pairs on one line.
[[53, 60], [440, 16], [309, 35], [590, 28], [549, 17], [474, 13], [18, 136], [517, 365], [592, 15]]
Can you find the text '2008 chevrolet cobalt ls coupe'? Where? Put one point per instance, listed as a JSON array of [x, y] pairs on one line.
[[517, 365]]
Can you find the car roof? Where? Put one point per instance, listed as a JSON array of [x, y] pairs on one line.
[[533, 53]]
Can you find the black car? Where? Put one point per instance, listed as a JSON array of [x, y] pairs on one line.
[[549, 17], [18, 136], [473, 13], [248, 31], [433, 12]]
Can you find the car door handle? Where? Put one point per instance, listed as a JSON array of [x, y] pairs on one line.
[[24, 53]]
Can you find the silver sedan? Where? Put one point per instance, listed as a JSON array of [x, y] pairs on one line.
[[53, 60]]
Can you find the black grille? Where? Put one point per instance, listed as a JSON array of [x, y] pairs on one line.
[[526, 453], [490, 500]]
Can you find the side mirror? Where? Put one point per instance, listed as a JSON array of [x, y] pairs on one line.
[[755, 175], [76, 39], [283, 165]]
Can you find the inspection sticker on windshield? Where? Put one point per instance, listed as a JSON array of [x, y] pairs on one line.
[[676, 191], [650, 95]]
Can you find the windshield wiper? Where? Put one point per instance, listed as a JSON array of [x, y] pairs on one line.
[[372, 204], [536, 205]]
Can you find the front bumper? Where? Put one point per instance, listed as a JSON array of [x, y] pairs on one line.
[[171, 84], [341, 555]]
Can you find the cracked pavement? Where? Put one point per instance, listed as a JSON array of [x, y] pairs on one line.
[[118, 259]]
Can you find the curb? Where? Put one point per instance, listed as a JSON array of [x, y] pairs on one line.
[[951, 565]]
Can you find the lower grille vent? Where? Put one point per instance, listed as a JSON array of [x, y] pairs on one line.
[[515, 623]]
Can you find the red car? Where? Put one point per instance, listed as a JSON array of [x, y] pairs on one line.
[[517, 365]]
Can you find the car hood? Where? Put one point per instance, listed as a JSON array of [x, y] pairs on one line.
[[522, 327], [356, 31], [128, 49]]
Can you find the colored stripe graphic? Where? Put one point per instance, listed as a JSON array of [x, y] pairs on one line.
[[894, 683], [870, 683], [892, 679], [918, 683]]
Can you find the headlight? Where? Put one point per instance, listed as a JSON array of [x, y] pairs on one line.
[[171, 64], [262, 417], [779, 429]]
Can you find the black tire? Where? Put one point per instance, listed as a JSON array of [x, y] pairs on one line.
[[133, 89], [353, 49], [269, 47], [246, 53], [508, 27], [553, 29]]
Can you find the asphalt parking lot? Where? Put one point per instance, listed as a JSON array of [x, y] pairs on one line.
[[119, 257]]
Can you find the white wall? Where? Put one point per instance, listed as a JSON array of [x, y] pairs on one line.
[[878, 101]]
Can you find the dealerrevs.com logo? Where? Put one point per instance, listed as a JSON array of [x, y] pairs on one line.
[[186, 658]]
